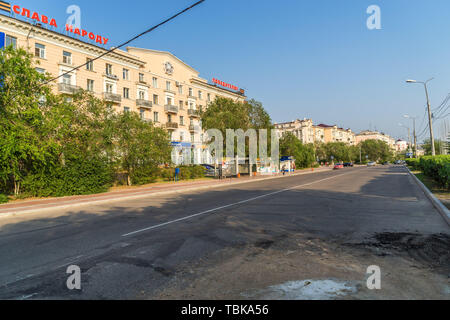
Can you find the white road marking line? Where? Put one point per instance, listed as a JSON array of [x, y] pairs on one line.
[[230, 205]]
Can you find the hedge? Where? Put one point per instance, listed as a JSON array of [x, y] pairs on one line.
[[3, 198], [437, 168]]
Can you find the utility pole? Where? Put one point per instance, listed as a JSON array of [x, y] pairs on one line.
[[430, 115]]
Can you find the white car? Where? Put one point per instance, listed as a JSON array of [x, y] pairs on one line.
[[372, 164]]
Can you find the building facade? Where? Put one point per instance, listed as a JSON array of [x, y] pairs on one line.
[[375, 135], [308, 133], [159, 86]]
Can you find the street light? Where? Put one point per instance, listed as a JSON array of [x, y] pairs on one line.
[[430, 117], [414, 134], [409, 136]]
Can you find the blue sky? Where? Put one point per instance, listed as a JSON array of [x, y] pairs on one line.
[[302, 59]]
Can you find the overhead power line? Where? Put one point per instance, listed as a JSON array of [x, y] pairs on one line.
[[127, 42]]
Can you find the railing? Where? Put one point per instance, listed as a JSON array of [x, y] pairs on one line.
[[171, 125], [171, 109], [111, 76], [193, 113], [144, 103], [194, 128], [112, 97], [68, 88]]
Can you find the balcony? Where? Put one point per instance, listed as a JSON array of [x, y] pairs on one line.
[[171, 125], [112, 97], [194, 128], [171, 109], [68, 88], [194, 113], [111, 76], [192, 97], [144, 103]]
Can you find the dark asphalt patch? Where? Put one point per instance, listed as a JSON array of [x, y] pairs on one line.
[[432, 251]]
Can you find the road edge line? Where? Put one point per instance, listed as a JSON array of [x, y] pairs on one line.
[[444, 212]]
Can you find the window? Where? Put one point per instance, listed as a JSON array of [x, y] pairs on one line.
[[11, 41], [41, 71], [126, 109], [141, 95], [67, 57], [155, 83], [126, 93], [126, 74], [67, 79], [108, 69], [200, 95], [180, 89], [89, 64], [90, 85], [155, 116], [141, 77], [191, 92], [181, 136], [142, 114], [169, 101], [39, 51], [181, 105], [109, 88], [168, 85], [209, 97], [155, 99], [182, 120]]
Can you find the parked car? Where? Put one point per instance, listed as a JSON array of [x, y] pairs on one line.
[[210, 172], [386, 163], [339, 166], [372, 164], [348, 164]]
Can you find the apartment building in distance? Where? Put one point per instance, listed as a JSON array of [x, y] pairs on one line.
[[156, 84], [375, 135], [308, 133]]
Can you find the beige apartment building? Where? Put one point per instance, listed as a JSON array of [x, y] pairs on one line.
[[308, 133], [156, 84], [375, 135]]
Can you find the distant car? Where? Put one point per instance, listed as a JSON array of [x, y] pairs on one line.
[[386, 163], [348, 164], [372, 164], [338, 166]]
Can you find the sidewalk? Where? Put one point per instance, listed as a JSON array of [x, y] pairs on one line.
[[32, 206]]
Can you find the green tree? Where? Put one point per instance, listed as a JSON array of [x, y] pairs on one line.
[[376, 150], [25, 143], [140, 148], [439, 145], [291, 146]]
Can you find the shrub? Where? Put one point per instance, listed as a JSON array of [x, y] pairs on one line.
[[437, 168], [3, 198], [77, 177], [413, 163]]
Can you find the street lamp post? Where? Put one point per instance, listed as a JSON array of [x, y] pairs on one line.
[[414, 134], [430, 117], [409, 136]]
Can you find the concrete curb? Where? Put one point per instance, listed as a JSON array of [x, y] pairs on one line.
[[138, 195], [445, 213]]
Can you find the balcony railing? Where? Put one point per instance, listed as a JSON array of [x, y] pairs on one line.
[[171, 109], [144, 103], [112, 97], [111, 76], [193, 113], [171, 125], [68, 88], [194, 128]]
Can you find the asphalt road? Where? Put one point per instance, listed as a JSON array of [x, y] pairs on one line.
[[237, 242]]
